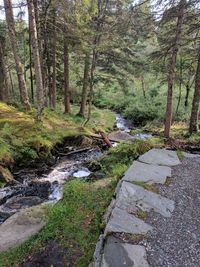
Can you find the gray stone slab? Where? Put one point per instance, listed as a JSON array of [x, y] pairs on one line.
[[132, 197], [189, 155], [118, 254], [122, 222], [161, 157], [147, 173], [19, 227]]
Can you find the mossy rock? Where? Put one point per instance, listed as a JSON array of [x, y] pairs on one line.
[[5, 175]]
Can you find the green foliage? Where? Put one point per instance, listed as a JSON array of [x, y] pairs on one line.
[[123, 154]]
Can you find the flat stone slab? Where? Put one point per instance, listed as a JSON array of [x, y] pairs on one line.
[[161, 157], [132, 197], [22, 225], [189, 155], [118, 254], [122, 222], [147, 173]]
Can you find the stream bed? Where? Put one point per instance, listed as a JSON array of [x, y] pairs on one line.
[[43, 183]]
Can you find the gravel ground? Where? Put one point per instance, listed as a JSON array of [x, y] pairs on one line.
[[175, 241]]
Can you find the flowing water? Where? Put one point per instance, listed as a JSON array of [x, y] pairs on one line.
[[43, 183]]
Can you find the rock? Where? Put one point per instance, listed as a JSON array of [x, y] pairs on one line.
[[20, 226], [189, 155], [22, 202], [147, 173], [160, 157], [4, 216], [132, 197], [86, 141], [122, 222], [120, 136], [5, 175], [118, 254]]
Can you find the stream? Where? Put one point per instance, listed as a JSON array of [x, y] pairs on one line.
[[43, 183]]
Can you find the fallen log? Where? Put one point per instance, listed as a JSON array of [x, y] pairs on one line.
[[74, 152]]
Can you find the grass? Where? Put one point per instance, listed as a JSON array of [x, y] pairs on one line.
[[22, 138], [150, 187], [76, 221]]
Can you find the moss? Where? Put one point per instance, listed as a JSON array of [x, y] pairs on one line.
[[21, 137], [150, 187], [142, 215], [180, 154]]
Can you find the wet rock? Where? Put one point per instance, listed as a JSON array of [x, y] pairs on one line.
[[4, 216], [37, 188], [5, 175], [120, 136], [16, 203]]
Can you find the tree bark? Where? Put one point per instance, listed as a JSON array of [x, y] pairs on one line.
[[13, 40], [36, 58], [4, 88], [66, 77], [54, 89], [84, 96], [194, 125], [172, 67]]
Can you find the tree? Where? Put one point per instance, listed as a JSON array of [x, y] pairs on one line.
[[4, 88], [36, 57], [84, 94], [172, 66], [194, 126], [13, 40], [66, 76]]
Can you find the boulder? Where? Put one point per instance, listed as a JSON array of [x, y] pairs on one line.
[[22, 225]]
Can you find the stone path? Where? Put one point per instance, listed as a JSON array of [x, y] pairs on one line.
[[126, 216]]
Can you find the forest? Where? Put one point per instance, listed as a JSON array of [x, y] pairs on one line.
[[66, 69]]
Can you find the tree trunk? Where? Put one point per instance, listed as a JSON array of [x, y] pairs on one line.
[[54, 89], [13, 40], [194, 126], [143, 87], [172, 67], [85, 86], [31, 67], [4, 89], [180, 86], [66, 77], [36, 57]]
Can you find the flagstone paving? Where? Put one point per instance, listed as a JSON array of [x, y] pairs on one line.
[[170, 231]]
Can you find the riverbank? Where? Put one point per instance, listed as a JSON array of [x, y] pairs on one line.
[[23, 140], [75, 222]]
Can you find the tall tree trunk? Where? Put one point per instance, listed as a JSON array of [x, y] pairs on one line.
[[187, 94], [172, 67], [31, 66], [13, 40], [180, 86], [53, 91], [143, 86], [194, 125], [66, 77], [4, 88], [85, 86], [36, 57]]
